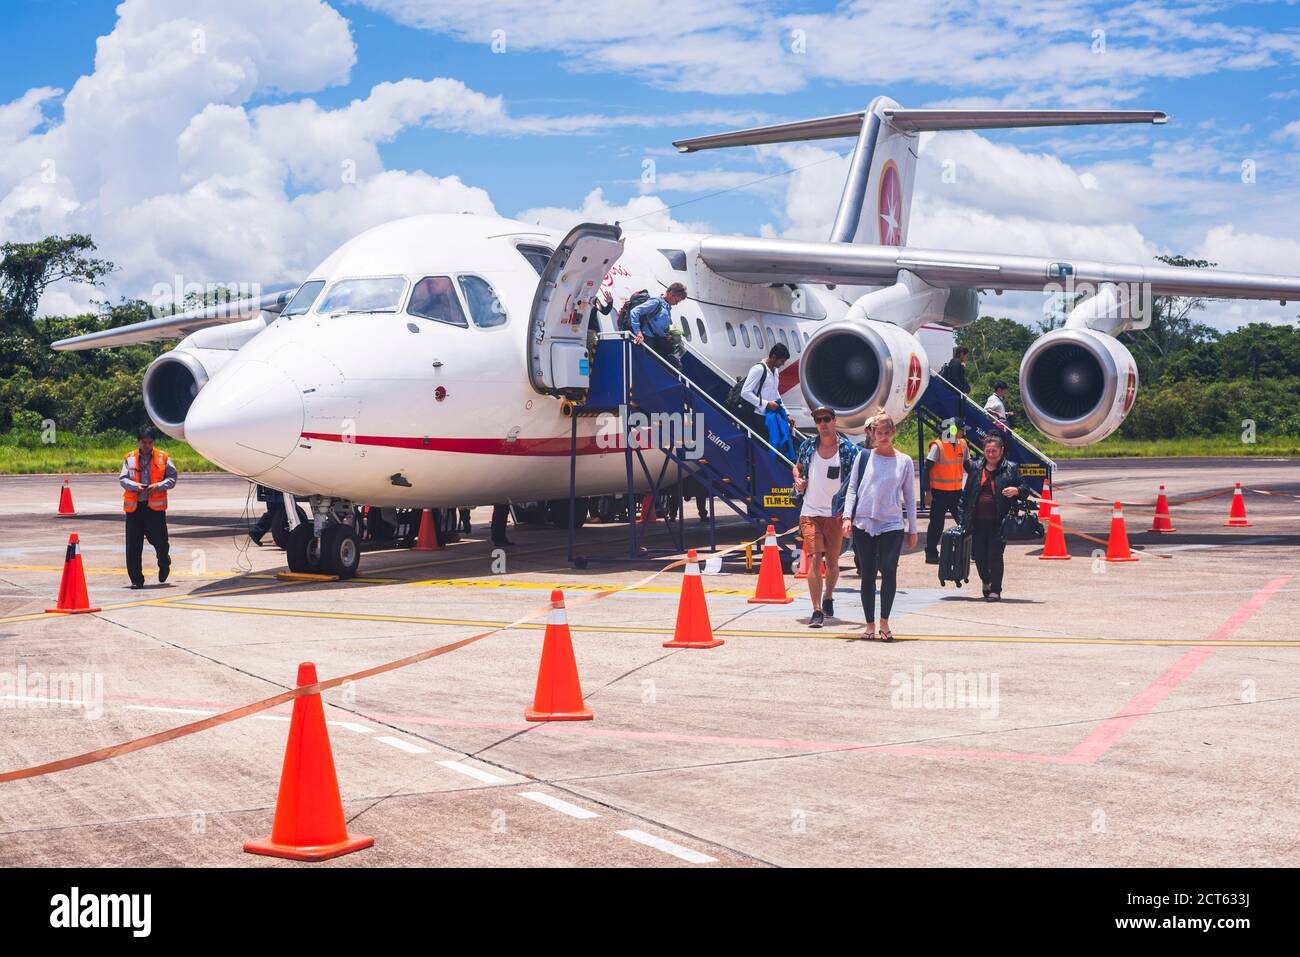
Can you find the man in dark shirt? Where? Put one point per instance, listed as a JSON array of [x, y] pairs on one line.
[[954, 370]]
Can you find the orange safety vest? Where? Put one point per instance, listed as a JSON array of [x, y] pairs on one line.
[[948, 474], [157, 472]]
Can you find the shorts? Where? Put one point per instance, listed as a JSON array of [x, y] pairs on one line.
[[822, 533]]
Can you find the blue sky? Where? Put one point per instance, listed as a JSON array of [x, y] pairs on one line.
[[170, 158]]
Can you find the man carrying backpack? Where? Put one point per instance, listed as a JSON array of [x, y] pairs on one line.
[[761, 391], [653, 320]]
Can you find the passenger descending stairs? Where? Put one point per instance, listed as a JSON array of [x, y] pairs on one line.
[[737, 466]]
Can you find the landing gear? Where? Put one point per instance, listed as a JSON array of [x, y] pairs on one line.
[[280, 526], [328, 544]]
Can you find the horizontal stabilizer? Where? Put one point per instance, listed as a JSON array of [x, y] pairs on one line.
[[915, 121]]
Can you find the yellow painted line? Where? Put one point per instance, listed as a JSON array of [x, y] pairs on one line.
[[36, 616], [490, 583], [738, 633], [101, 571], [331, 578]]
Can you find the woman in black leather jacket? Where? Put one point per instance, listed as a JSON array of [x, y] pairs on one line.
[[992, 485]]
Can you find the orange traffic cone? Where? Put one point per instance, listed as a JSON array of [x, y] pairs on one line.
[[693, 628], [801, 572], [559, 693], [1163, 522], [1045, 502], [73, 597], [1237, 514], [427, 540], [771, 582], [1117, 543], [1054, 545], [309, 823], [65, 500]]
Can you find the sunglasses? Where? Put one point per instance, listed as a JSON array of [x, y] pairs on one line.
[[823, 419]]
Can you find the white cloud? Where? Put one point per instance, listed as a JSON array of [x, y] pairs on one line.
[[638, 213]]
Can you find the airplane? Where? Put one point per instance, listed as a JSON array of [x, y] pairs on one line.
[[427, 362]]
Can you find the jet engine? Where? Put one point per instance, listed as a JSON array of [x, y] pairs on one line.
[[855, 367], [1077, 385], [173, 380]]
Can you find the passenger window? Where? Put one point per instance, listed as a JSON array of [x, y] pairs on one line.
[[484, 306], [771, 339], [302, 300], [758, 337], [805, 337], [744, 334], [537, 256], [784, 341], [704, 331], [686, 328], [731, 333], [434, 297]]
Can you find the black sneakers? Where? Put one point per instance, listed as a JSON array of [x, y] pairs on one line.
[[164, 570], [816, 620], [828, 607]]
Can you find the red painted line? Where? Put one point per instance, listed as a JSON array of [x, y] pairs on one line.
[[1104, 737]]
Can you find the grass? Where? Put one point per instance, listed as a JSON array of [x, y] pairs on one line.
[[23, 453]]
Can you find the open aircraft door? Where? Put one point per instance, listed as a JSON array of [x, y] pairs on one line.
[[558, 361]]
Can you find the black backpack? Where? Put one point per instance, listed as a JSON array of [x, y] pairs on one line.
[[625, 311], [736, 404]]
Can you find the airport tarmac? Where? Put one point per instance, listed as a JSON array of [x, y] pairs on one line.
[[1139, 714]]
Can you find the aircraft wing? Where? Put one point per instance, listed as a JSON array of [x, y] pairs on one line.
[[753, 260], [179, 325]]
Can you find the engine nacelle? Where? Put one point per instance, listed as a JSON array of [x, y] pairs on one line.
[[855, 367], [173, 380], [1077, 385]]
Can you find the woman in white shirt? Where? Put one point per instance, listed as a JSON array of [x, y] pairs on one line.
[[881, 490]]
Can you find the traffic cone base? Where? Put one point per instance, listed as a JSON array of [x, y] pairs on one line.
[[559, 692], [427, 540], [693, 627], [73, 597], [770, 589], [309, 823]]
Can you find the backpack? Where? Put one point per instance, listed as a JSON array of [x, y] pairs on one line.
[[625, 311], [736, 403]]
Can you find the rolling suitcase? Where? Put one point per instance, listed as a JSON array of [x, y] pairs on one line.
[[954, 556]]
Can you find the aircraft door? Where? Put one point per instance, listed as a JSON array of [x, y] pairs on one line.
[[558, 363]]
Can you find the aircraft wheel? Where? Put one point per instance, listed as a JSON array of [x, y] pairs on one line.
[[340, 552], [280, 527], [298, 546], [557, 512]]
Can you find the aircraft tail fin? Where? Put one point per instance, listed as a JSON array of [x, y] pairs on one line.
[[883, 163]]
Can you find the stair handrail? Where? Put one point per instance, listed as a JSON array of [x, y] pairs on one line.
[[1051, 463]]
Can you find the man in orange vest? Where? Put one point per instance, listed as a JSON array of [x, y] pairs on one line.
[[147, 474], [947, 458]]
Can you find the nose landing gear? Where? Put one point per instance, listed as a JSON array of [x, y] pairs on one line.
[[328, 544]]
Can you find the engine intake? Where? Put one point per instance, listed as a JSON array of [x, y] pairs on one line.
[[1077, 385], [856, 367], [171, 383]]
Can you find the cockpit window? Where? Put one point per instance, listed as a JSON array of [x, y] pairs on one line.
[[364, 295], [434, 297], [537, 256], [301, 302], [484, 305]]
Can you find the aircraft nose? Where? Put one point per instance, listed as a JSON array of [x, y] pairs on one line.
[[247, 419]]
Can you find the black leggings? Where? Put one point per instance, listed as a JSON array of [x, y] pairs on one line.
[[878, 553], [987, 548]]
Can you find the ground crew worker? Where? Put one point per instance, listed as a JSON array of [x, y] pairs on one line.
[[947, 475], [147, 474], [653, 320]]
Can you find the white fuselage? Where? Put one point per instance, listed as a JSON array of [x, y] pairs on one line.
[[391, 409]]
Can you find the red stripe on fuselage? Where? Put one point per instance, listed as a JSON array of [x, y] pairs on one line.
[[789, 378], [551, 446]]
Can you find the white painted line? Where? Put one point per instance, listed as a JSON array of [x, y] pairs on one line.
[[352, 726], [476, 773], [46, 701], [555, 804], [668, 847], [146, 707], [271, 717], [401, 745]]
